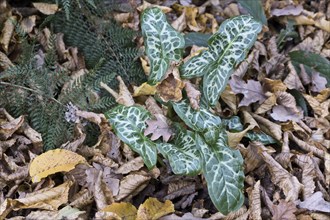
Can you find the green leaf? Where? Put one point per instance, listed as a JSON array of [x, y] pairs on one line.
[[198, 120], [261, 137], [183, 156], [223, 171], [196, 38], [129, 124], [254, 8], [227, 48], [233, 124], [300, 100], [162, 43], [313, 61]]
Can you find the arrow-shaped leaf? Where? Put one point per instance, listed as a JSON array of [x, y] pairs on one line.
[[162, 43], [198, 120], [183, 156], [227, 48], [129, 123], [223, 171]]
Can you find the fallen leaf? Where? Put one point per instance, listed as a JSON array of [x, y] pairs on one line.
[[180, 23], [124, 210], [7, 32], [281, 113], [284, 211], [255, 202], [267, 104], [132, 165], [318, 82], [252, 90], [316, 202], [7, 129], [170, 88], [5, 62], [45, 8], [158, 128], [27, 24], [320, 109], [288, 10], [152, 209], [146, 5], [292, 81], [274, 85], [144, 89], [102, 194], [286, 181], [49, 199], [229, 97], [131, 185], [124, 97], [53, 161], [234, 138], [269, 127], [193, 94]]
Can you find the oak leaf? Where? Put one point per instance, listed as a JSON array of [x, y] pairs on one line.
[[158, 128], [252, 90]]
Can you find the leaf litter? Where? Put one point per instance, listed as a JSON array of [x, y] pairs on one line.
[[286, 180]]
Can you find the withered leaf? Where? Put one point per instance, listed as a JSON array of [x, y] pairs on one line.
[[284, 211], [193, 94], [158, 128], [255, 202], [288, 10], [282, 113], [123, 210], [153, 209], [318, 82], [316, 202], [252, 90], [170, 88]]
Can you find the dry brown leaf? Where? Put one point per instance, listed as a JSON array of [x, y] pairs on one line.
[[145, 66], [320, 109], [107, 216], [33, 135], [287, 182], [252, 159], [180, 188], [124, 97], [323, 95], [170, 88], [102, 194], [152, 209], [284, 211], [132, 165], [267, 104], [269, 127], [315, 202], [252, 90], [318, 82], [7, 32], [327, 167], [146, 5], [308, 173], [180, 23], [229, 97], [46, 8], [27, 24], [288, 10], [158, 128], [274, 85], [231, 10], [5, 62], [243, 67], [82, 199], [48, 199], [234, 138], [292, 81], [123, 210], [282, 113], [255, 202], [306, 146], [53, 161], [144, 89], [152, 106], [241, 214], [131, 185], [7, 129], [193, 94]]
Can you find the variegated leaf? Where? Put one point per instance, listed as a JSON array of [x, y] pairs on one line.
[[233, 124], [183, 156], [128, 124], [198, 120], [260, 136], [223, 171], [162, 42], [227, 48]]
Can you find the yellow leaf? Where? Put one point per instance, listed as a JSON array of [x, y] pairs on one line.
[[145, 89], [54, 161], [45, 8], [123, 210], [152, 209]]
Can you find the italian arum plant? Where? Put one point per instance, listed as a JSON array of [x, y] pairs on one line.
[[203, 147]]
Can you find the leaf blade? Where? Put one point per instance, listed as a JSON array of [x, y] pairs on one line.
[[129, 123], [162, 42]]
